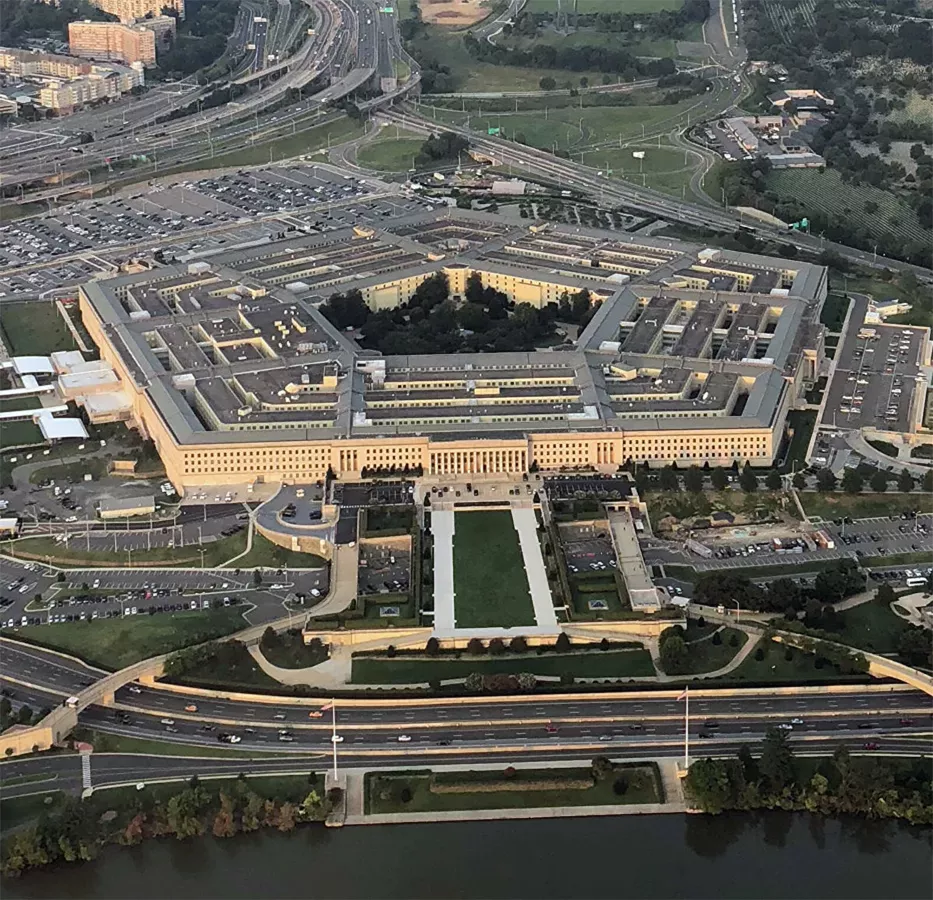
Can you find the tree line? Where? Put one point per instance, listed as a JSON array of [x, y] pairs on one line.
[[25, 19], [79, 829], [871, 786]]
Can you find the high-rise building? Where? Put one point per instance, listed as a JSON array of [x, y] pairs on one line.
[[112, 41], [127, 10]]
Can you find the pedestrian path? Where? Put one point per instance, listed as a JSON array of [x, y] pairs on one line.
[[442, 528], [527, 527]]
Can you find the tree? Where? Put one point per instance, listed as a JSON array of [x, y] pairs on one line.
[[693, 480], [518, 644], [914, 647], [667, 479], [825, 480], [852, 481], [432, 647], [926, 483], [879, 481], [800, 481], [773, 480], [777, 759], [673, 654], [562, 644], [885, 594], [601, 768], [257, 577], [719, 478], [905, 482], [748, 480], [710, 785], [475, 647], [547, 83], [839, 581]]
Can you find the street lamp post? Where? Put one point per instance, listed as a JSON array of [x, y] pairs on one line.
[[738, 610]]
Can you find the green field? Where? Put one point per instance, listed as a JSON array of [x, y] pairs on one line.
[[775, 667], [827, 192], [390, 154], [46, 549], [873, 627], [265, 554], [608, 664], [16, 811], [863, 506], [104, 742], [834, 311], [586, 37], [802, 422], [115, 643], [20, 434], [384, 791], [490, 584], [919, 295], [34, 329]]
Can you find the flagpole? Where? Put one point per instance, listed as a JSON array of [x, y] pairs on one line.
[[686, 729], [333, 733]]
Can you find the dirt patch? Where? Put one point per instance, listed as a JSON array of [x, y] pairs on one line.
[[456, 13]]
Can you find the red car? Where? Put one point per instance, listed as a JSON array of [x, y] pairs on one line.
[[907, 721], [870, 745], [550, 729]]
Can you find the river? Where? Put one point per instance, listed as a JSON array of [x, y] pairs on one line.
[[772, 855]]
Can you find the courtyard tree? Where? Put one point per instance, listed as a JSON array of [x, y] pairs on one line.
[[852, 481], [748, 480], [825, 480], [905, 481], [879, 482], [693, 480], [667, 479], [719, 478], [773, 480]]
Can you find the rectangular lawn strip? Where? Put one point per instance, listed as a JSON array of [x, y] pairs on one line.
[[76, 555], [115, 643], [490, 585], [265, 554], [21, 433], [863, 506], [632, 783], [34, 329], [614, 664]]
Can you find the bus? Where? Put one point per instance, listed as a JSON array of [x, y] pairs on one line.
[[917, 582]]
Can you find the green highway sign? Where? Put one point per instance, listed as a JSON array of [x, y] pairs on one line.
[[492, 131]]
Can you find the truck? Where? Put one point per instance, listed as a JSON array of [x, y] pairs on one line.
[[776, 544], [823, 540], [698, 548]]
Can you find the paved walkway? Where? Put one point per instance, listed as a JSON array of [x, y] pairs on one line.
[[442, 528], [527, 527], [734, 663]]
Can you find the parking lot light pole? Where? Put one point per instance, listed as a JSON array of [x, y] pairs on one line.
[[738, 610]]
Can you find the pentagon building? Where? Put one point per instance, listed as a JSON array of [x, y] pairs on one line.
[[694, 355]]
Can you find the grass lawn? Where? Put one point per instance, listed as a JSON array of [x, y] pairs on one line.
[[115, 643], [705, 656], [612, 664], [629, 783], [920, 296], [801, 422], [34, 329], [688, 573], [72, 472], [289, 651], [863, 506], [215, 553], [834, 311], [265, 554], [228, 666], [775, 667], [390, 154], [20, 434], [897, 559], [388, 520], [684, 505], [490, 584], [872, 626], [885, 447]]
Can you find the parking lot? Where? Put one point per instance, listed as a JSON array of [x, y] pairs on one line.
[[568, 487], [875, 374], [383, 569], [595, 554]]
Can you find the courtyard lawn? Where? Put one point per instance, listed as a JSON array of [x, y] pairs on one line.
[[608, 664], [116, 643], [403, 792], [22, 433], [490, 585], [863, 506], [34, 329], [801, 422]]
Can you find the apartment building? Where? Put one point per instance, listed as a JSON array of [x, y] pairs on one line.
[[112, 41], [128, 10]]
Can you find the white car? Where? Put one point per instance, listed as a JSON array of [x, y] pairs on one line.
[[404, 738], [337, 738]]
